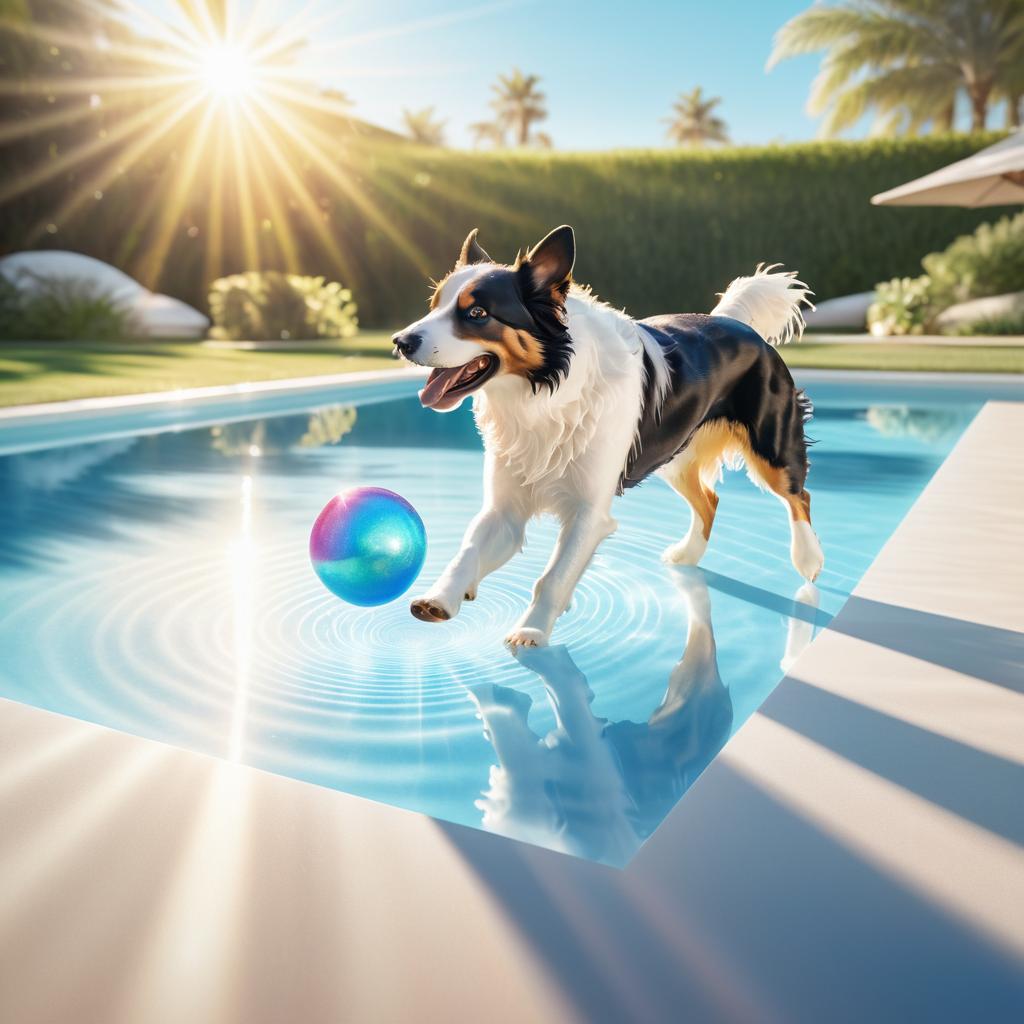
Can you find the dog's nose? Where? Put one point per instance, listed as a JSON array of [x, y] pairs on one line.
[[406, 342]]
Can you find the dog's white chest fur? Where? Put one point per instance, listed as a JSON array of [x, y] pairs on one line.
[[539, 441], [561, 447]]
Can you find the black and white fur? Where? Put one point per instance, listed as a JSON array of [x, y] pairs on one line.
[[576, 401]]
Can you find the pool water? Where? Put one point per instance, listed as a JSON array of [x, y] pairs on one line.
[[160, 584]]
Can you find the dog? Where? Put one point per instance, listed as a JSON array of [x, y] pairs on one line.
[[577, 402]]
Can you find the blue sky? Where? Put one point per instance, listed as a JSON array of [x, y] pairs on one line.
[[610, 70]]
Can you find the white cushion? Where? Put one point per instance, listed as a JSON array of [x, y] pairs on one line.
[[165, 317], [993, 307], [157, 316], [27, 269], [845, 311]]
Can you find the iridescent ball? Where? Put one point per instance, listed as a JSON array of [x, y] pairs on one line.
[[368, 545]]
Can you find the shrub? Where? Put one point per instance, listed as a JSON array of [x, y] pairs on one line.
[[988, 262], [904, 305], [62, 310], [268, 306]]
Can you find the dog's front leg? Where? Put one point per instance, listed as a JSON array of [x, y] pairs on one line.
[[578, 540], [491, 539]]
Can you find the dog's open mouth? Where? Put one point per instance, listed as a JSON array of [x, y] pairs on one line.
[[448, 385]]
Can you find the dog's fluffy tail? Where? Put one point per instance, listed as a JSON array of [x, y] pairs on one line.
[[770, 302]]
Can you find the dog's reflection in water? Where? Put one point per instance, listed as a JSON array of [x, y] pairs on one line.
[[596, 788]]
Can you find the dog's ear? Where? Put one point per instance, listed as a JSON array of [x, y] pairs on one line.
[[472, 251], [550, 261]]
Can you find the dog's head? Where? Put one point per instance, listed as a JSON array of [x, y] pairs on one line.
[[487, 320]]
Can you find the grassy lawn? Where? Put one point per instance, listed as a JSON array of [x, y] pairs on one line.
[[54, 372], [894, 356]]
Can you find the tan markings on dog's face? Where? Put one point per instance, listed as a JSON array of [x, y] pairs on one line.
[[455, 278], [518, 351], [523, 352]]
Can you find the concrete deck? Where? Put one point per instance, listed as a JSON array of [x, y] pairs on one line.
[[856, 853]]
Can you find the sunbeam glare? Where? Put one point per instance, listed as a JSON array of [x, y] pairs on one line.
[[227, 71], [221, 107]]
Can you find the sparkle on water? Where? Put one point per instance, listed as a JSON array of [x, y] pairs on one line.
[[160, 584]]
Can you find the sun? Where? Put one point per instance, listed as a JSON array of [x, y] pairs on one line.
[[227, 71]]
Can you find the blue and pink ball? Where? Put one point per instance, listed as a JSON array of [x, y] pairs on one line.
[[368, 545]]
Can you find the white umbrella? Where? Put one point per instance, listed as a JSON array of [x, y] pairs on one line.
[[993, 177]]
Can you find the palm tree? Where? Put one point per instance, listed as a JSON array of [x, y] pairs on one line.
[[1014, 113], [1010, 88], [488, 133], [694, 122], [518, 104], [908, 60], [423, 127]]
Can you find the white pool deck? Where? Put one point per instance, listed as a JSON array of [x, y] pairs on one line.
[[856, 853]]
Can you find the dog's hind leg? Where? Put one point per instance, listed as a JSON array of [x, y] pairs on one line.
[[692, 475], [805, 549], [774, 446], [703, 502]]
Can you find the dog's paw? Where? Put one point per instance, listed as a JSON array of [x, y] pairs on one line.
[[430, 609], [808, 558], [470, 594], [524, 636], [687, 552]]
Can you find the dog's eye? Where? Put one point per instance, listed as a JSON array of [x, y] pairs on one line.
[[478, 313]]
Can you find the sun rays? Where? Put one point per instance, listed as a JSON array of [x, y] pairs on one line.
[[223, 109]]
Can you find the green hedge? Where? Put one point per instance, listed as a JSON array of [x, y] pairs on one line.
[[657, 230]]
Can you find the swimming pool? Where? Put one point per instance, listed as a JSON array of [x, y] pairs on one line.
[[156, 580]]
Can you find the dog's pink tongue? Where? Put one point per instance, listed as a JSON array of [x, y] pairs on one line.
[[435, 394]]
